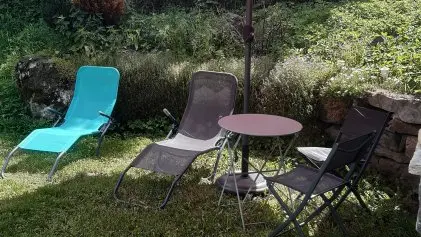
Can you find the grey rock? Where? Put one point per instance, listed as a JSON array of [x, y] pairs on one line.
[[410, 146], [42, 85], [386, 167], [392, 141], [394, 156], [398, 126], [406, 107]]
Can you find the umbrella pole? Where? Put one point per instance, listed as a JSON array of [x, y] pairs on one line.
[[245, 183], [248, 36]]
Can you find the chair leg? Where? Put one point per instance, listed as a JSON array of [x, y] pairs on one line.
[[320, 209], [117, 186], [357, 195], [218, 158], [360, 199], [167, 198], [292, 217], [53, 169], [6, 161], [335, 215], [100, 139], [163, 204]]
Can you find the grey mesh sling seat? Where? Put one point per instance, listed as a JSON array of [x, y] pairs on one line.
[[358, 121], [212, 96], [313, 182]]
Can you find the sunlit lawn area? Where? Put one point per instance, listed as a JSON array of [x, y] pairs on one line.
[[79, 201]]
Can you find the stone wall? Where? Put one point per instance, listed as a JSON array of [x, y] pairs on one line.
[[399, 140]]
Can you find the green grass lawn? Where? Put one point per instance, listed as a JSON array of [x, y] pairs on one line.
[[79, 201]]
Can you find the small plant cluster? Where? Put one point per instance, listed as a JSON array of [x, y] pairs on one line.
[[293, 86], [111, 10]]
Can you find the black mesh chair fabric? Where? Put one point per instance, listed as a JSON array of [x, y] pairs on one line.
[[212, 96], [358, 121], [302, 177], [317, 181], [163, 159]]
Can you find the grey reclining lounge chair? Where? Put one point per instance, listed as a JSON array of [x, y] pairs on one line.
[[358, 121], [316, 182], [212, 96]]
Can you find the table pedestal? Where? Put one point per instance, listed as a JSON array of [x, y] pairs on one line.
[[244, 183]]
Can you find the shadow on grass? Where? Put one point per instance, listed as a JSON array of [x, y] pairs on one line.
[[84, 206], [387, 220], [85, 148]]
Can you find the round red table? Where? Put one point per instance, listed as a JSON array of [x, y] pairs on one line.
[[261, 125]]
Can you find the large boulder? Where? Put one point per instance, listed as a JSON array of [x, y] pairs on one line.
[[44, 83], [398, 126], [406, 107]]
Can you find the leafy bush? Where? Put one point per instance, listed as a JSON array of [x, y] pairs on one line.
[[51, 9], [293, 86], [348, 83], [86, 33], [200, 36], [111, 10], [147, 6], [195, 35], [150, 83], [159, 126]]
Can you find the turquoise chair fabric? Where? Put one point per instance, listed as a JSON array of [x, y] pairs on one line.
[[95, 90]]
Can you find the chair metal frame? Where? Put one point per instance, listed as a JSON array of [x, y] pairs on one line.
[[60, 118], [309, 194], [219, 146], [352, 187], [102, 131]]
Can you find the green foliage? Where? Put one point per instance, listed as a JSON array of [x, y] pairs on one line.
[[348, 83], [198, 35], [150, 83], [51, 9], [147, 6], [344, 31], [87, 34], [293, 86], [159, 126]]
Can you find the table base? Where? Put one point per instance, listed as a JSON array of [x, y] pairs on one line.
[[244, 183]]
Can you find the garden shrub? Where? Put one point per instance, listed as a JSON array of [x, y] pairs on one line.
[[200, 36], [51, 9], [293, 86], [111, 10], [349, 83], [150, 83], [147, 6]]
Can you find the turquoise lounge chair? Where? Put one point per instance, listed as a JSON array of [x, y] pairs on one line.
[[88, 114]]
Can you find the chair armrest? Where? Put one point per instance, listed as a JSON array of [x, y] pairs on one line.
[[173, 120], [111, 119], [58, 113]]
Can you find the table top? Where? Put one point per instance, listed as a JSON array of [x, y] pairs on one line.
[[263, 125]]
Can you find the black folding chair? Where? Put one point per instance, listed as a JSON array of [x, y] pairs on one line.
[[358, 121], [316, 182], [212, 96]]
